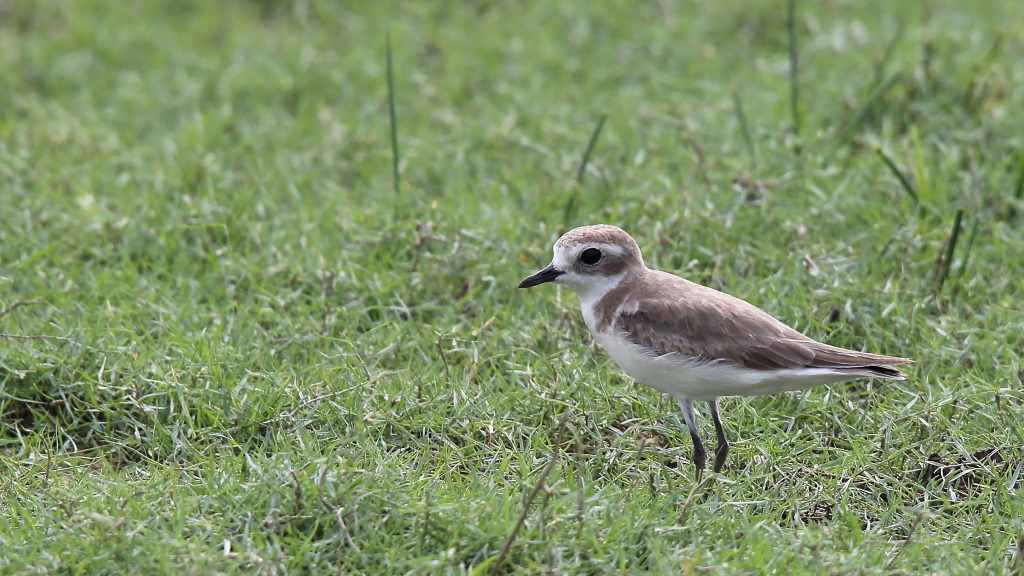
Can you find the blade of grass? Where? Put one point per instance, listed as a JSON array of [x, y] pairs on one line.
[[570, 204], [977, 87], [869, 104], [396, 181], [1018, 188], [920, 516], [890, 47], [945, 257], [590, 147], [907, 186], [14, 306], [794, 86], [921, 180], [744, 127], [38, 254], [1009, 208], [967, 254], [556, 448]]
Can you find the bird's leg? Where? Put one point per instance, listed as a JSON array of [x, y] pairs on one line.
[[699, 454], [722, 450]]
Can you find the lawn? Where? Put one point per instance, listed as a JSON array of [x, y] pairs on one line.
[[232, 342]]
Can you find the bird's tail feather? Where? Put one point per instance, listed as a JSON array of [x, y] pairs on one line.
[[873, 371]]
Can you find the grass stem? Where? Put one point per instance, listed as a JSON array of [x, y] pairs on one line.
[[866, 107], [890, 48], [590, 147], [904, 181], [555, 450], [741, 117], [945, 258], [395, 157], [1018, 187], [967, 254], [568, 211], [794, 85]]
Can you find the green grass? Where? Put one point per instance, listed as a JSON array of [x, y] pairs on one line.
[[230, 346]]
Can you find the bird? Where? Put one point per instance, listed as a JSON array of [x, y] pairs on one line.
[[690, 341]]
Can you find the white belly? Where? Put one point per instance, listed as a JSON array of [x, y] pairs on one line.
[[702, 380]]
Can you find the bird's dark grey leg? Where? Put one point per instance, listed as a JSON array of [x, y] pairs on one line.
[[699, 454], [722, 450]]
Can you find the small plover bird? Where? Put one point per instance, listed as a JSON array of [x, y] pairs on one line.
[[688, 340]]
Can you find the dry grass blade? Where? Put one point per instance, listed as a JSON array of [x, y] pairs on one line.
[[556, 449]]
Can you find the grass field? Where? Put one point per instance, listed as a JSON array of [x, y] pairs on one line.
[[231, 342]]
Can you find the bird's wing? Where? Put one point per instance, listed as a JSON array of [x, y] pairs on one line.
[[717, 326]]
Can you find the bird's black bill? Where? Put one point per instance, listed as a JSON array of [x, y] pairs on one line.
[[546, 275]]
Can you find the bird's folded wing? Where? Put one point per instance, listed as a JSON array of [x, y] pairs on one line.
[[731, 330]]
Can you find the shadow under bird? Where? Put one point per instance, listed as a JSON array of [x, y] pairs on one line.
[[688, 340]]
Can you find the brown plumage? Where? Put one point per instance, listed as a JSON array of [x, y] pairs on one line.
[[667, 314], [690, 341]]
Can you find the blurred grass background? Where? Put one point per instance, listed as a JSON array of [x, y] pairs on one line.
[[228, 344]]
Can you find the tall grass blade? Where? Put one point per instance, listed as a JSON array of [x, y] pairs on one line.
[[890, 47], [945, 258], [741, 117], [556, 450], [922, 181], [907, 186], [1009, 209], [590, 147], [862, 112], [794, 85], [569, 210], [1018, 188], [967, 255], [395, 158]]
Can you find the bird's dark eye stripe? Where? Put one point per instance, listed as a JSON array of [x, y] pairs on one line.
[[590, 256]]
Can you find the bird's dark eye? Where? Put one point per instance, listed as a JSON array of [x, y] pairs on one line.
[[590, 256]]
